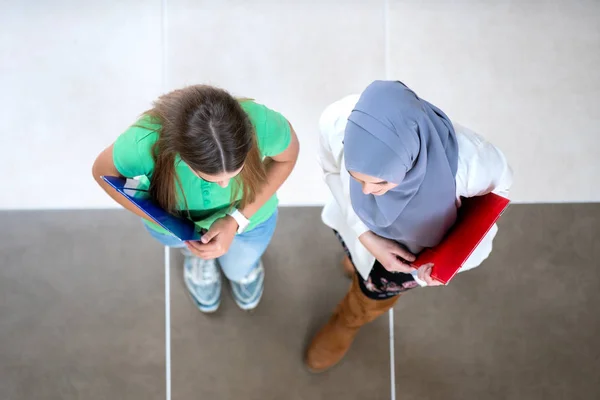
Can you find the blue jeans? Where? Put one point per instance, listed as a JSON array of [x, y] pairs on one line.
[[244, 253]]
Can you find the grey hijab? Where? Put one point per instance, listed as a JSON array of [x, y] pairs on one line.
[[395, 136]]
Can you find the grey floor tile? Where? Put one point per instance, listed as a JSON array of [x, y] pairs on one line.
[[81, 316], [524, 325], [81, 307], [234, 354]]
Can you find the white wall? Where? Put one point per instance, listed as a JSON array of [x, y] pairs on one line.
[[74, 75]]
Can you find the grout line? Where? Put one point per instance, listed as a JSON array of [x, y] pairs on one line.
[[388, 73], [168, 322], [111, 207], [163, 40], [163, 88], [392, 358], [386, 39]]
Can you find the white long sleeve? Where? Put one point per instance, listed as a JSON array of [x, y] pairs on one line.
[[482, 168], [331, 156]]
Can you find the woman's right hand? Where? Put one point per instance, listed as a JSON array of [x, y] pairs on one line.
[[388, 252]]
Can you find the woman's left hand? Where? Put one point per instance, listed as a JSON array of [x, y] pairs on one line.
[[216, 241], [424, 274]]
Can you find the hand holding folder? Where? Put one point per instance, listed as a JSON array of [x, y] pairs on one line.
[[475, 218]]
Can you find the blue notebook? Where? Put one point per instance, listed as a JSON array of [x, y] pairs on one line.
[[182, 228]]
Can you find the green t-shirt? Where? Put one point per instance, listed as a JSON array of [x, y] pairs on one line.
[[206, 201]]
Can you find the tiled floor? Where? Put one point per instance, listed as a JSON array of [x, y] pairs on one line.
[[82, 317], [259, 355], [81, 307], [523, 326]]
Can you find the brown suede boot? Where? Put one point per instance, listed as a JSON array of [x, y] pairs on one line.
[[332, 342]]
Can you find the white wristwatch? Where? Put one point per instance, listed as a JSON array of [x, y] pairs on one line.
[[242, 221]]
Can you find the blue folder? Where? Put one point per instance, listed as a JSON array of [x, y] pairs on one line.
[[182, 228]]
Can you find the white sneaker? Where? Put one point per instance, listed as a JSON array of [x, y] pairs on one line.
[[203, 281], [248, 292]]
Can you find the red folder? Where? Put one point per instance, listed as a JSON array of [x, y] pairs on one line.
[[475, 218]]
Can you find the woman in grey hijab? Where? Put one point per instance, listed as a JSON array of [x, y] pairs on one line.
[[402, 155], [410, 145]]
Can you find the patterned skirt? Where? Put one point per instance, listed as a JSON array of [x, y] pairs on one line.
[[381, 283]]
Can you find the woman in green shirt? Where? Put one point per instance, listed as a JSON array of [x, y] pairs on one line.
[[218, 161]]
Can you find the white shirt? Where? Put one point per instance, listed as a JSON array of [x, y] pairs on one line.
[[482, 168]]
